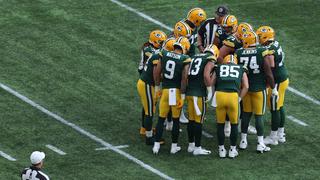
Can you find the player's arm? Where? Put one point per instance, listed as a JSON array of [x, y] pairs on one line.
[[207, 73], [184, 79], [201, 32], [224, 51], [244, 85], [268, 64], [157, 74]]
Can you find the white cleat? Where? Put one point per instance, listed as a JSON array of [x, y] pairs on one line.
[[222, 152], [156, 148], [174, 148], [183, 118], [243, 144], [271, 140], [261, 148], [169, 126], [281, 138], [252, 130], [199, 151], [233, 153], [191, 147], [227, 129]]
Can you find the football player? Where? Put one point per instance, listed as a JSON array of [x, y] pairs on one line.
[[231, 84], [267, 38], [196, 98], [156, 38], [259, 61], [145, 86], [174, 68]]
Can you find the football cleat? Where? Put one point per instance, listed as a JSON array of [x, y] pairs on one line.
[[199, 151], [227, 129], [142, 131], [222, 152], [175, 148], [191, 147], [169, 126], [281, 138], [156, 148], [252, 129], [261, 148], [243, 144], [271, 140], [233, 153]]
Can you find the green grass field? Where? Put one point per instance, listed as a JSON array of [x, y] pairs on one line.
[[79, 59]]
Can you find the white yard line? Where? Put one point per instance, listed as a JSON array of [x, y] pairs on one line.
[[207, 134], [297, 121], [149, 18], [55, 149], [7, 156], [84, 132], [106, 148]]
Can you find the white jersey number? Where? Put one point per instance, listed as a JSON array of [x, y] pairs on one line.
[[195, 66], [170, 65], [253, 63], [229, 71]]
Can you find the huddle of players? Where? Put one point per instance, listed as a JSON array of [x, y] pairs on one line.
[[248, 70]]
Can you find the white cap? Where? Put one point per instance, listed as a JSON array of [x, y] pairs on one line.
[[36, 157]]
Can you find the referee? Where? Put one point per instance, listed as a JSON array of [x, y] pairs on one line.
[[34, 171], [207, 31]]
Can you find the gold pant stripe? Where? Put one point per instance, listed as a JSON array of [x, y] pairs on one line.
[[282, 87], [149, 99]]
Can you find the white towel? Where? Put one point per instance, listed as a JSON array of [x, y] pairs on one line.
[[172, 97], [214, 100]]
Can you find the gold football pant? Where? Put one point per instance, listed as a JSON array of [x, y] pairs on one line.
[[147, 96], [227, 104], [255, 102], [272, 102], [193, 116], [164, 106]]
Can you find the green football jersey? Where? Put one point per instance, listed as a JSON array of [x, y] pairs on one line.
[[221, 35], [280, 72], [146, 52], [229, 77], [253, 60], [233, 42], [172, 65], [147, 73], [196, 86]]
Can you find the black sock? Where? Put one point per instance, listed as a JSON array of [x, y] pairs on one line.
[[234, 134], [220, 133], [259, 125], [197, 133], [175, 130], [275, 116], [282, 117], [246, 116], [142, 117], [191, 130], [148, 123], [159, 129], [169, 117]]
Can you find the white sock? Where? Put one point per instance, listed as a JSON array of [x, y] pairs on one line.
[[281, 130], [191, 144], [149, 133], [243, 136], [174, 145], [233, 147], [273, 134], [260, 139], [221, 147]]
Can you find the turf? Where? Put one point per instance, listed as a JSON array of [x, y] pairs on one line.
[[79, 59]]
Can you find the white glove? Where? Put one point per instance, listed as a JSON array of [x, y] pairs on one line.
[[239, 99], [209, 91], [275, 93]]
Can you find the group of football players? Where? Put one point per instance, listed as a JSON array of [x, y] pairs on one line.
[[239, 72]]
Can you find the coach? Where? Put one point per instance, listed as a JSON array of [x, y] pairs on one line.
[[207, 31], [34, 172]]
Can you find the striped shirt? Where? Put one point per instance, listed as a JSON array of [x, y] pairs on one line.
[[33, 173], [207, 31]]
